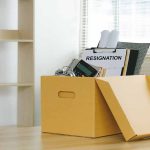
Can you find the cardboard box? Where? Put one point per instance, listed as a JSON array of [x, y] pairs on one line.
[[75, 106], [113, 60], [129, 100]]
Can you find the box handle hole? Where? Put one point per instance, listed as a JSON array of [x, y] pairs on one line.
[[66, 94]]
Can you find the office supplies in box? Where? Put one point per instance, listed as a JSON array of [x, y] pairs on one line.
[[128, 98], [79, 68], [111, 59], [116, 61], [131, 60], [75, 106], [109, 39]]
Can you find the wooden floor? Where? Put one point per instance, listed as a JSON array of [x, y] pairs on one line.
[[12, 138]]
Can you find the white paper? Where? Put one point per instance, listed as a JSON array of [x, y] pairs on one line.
[[112, 61], [112, 39], [104, 39], [113, 72]]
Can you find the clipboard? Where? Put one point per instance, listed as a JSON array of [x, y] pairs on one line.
[[111, 59], [130, 59]]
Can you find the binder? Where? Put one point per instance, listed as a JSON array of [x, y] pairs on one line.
[[132, 62]]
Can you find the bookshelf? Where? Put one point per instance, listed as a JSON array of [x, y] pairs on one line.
[[16, 84], [24, 37]]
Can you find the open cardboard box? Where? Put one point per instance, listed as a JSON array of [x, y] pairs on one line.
[[75, 106], [128, 98]]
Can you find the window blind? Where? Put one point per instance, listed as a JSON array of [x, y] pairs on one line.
[[84, 24], [129, 17], [134, 22]]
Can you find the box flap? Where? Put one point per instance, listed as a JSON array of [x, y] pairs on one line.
[[129, 100]]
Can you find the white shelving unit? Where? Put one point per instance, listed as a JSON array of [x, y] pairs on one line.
[[24, 36]]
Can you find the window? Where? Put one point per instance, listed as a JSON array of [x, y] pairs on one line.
[[129, 17]]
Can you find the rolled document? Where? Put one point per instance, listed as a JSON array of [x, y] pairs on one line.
[[112, 39], [104, 39]]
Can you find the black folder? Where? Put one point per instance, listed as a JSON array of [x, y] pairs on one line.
[[132, 62]]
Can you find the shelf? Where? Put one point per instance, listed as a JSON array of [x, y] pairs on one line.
[[16, 84], [12, 36], [23, 36], [16, 40]]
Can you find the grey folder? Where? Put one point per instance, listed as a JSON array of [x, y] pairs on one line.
[[141, 47]]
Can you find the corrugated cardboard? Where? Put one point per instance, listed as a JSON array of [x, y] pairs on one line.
[[129, 100], [75, 106]]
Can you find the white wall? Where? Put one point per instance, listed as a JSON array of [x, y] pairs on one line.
[[57, 37], [56, 43], [8, 64]]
